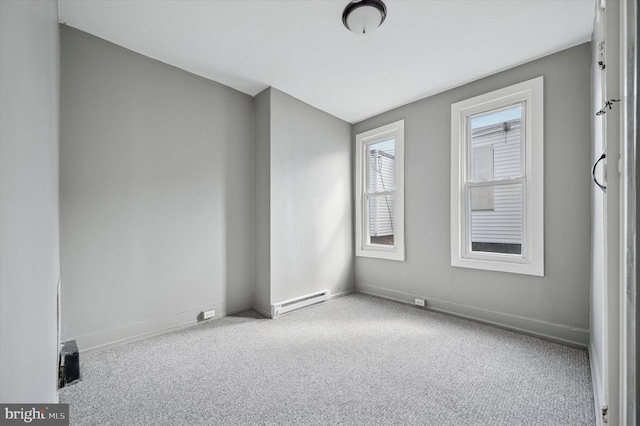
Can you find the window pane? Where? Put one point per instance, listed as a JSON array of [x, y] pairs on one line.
[[381, 219], [382, 171], [497, 145], [499, 229]]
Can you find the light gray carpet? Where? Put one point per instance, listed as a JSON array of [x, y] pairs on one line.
[[354, 360]]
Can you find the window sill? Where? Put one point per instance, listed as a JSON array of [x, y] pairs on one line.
[[508, 264], [381, 253]]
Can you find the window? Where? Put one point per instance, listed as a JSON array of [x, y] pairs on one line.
[[380, 192], [497, 180]]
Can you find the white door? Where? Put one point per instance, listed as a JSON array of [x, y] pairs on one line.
[[598, 339], [612, 138], [605, 273], [629, 37]]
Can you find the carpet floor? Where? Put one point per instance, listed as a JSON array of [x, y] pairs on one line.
[[354, 360]]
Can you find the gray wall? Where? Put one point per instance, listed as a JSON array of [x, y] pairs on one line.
[[556, 305], [311, 191], [29, 254], [262, 202], [156, 194]]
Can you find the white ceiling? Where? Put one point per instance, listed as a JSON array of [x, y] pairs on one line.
[[301, 47]]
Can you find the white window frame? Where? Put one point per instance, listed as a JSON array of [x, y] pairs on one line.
[[531, 261], [363, 247]]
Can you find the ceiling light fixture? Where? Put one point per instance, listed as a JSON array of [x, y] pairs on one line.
[[364, 16]]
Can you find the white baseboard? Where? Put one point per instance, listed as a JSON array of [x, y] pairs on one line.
[[106, 339], [261, 311], [342, 293], [566, 335]]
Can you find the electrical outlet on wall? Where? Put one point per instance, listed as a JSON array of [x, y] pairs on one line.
[[419, 302], [208, 314]]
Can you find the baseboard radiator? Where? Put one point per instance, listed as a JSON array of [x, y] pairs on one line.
[[289, 305]]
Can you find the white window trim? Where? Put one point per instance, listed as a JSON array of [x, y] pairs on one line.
[[396, 252], [531, 262]]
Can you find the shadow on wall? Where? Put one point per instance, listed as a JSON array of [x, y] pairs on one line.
[[156, 196]]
